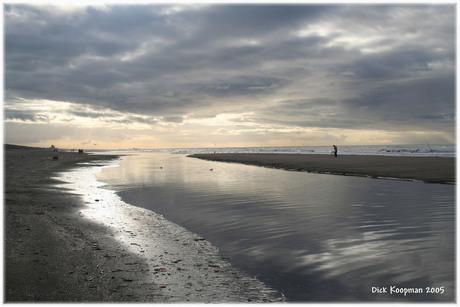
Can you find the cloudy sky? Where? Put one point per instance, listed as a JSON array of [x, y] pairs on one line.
[[150, 76]]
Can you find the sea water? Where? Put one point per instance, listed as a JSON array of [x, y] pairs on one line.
[[420, 150], [313, 237]]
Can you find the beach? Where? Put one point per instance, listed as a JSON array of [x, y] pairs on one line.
[[425, 169], [53, 254]]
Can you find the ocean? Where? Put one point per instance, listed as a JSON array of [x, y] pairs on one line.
[[425, 150], [312, 237]]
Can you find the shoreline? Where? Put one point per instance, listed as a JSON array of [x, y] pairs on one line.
[[55, 254], [424, 169]]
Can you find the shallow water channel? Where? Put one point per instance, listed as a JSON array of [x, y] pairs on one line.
[[313, 237]]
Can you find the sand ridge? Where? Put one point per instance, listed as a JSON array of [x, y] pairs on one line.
[[426, 169]]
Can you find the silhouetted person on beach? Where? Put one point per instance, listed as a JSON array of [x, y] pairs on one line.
[[335, 150]]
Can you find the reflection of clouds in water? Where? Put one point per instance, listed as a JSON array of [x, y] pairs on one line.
[[348, 255], [371, 254], [312, 231]]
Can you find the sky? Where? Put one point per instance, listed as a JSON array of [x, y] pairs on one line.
[[228, 75]]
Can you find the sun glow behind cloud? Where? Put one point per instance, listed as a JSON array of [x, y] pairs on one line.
[[78, 115]]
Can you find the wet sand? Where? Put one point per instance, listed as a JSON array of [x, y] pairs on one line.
[[426, 169], [53, 254]]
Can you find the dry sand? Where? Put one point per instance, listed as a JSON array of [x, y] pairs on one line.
[[52, 254], [426, 169]]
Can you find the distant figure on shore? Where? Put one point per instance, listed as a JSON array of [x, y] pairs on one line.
[[335, 150]]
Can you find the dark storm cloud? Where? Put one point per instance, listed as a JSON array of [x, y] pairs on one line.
[[20, 115], [332, 66], [417, 103], [234, 21], [422, 103], [394, 64]]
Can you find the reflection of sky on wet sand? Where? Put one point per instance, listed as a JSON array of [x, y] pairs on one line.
[[182, 264], [101, 205], [313, 232]]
